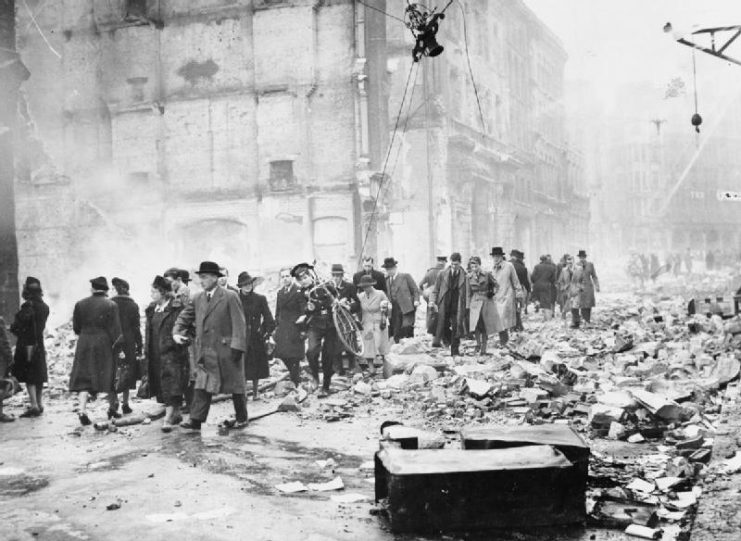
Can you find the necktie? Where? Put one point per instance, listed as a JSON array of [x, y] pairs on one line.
[[208, 297]]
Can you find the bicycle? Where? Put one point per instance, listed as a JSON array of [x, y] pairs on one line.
[[348, 329]]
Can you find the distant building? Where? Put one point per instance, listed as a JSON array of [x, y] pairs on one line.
[[255, 133]]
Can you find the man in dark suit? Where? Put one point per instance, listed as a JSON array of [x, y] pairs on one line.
[[591, 285], [449, 300], [216, 319], [517, 258], [290, 343], [370, 271], [404, 295]]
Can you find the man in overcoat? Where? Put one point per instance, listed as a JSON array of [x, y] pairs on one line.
[[130, 347], [449, 299], [518, 262], [509, 292], [368, 270], [290, 343], [426, 285], [260, 325], [544, 285], [404, 295], [215, 318], [591, 284]]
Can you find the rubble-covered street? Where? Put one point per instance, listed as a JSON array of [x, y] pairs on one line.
[[657, 403]]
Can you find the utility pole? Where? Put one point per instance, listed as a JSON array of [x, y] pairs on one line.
[[12, 74]]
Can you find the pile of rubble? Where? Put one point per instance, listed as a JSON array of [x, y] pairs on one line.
[[643, 385]]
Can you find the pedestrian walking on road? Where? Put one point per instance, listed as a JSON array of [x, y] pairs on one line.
[[29, 362], [374, 309], [166, 360], [518, 262], [591, 284], [290, 343], [129, 349], [215, 318], [404, 295], [544, 284], [96, 321], [448, 298], [426, 285], [481, 288], [508, 293], [260, 325]]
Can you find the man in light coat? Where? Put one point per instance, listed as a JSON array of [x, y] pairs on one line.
[[509, 292], [404, 295], [591, 284], [216, 319]]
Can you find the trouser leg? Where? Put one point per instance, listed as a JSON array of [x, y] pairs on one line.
[[586, 314], [294, 370], [503, 337], [189, 395], [313, 351], [240, 407], [200, 406], [575, 319], [455, 340], [330, 352], [518, 320]]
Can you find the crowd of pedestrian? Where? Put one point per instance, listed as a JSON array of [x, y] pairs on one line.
[[644, 267], [193, 345]]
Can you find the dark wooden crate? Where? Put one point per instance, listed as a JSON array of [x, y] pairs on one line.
[[453, 490]]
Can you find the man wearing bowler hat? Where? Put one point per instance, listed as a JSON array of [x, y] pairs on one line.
[[215, 318], [404, 295], [591, 284]]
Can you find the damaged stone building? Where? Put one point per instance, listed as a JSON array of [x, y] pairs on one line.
[[160, 132]]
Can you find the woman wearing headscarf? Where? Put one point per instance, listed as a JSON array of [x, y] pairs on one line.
[[260, 325], [374, 310], [480, 289], [167, 362], [130, 347], [29, 362]]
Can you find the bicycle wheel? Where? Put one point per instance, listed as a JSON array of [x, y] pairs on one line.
[[348, 330]]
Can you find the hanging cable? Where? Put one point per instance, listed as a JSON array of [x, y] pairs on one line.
[[380, 11], [406, 123], [470, 70], [696, 118], [372, 218]]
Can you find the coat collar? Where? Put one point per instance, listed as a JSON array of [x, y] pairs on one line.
[[216, 297]]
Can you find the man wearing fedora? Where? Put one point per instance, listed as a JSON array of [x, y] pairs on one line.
[[591, 284], [449, 300], [290, 343], [215, 318], [95, 320], [260, 325], [404, 295], [179, 279], [506, 297], [518, 262], [347, 292]]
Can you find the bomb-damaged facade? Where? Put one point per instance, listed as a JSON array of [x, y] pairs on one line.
[[254, 134]]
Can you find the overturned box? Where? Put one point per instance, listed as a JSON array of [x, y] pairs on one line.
[[447, 490], [562, 437]]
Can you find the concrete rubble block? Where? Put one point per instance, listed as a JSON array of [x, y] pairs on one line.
[[423, 374], [412, 438], [446, 490], [289, 404], [562, 437], [621, 513], [602, 416], [478, 388], [616, 432], [362, 388], [643, 532], [395, 363], [533, 394], [658, 405], [397, 381]]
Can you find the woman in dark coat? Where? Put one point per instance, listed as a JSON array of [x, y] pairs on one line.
[[29, 362], [131, 346], [95, 320], [290, 346], [544, 284], [167, 362], [260, 325]]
